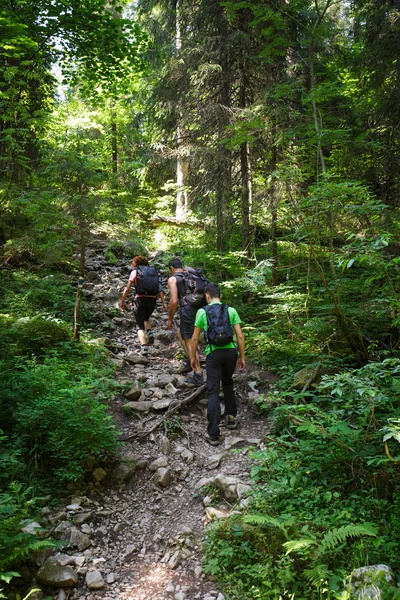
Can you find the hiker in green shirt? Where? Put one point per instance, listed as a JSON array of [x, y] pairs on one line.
[[219, 322]]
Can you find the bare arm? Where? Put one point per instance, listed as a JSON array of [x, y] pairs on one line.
[[124, 295], [173, 300], [240, 343], [194, 357], [162, 298]]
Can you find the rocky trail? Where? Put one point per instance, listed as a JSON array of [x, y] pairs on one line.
[[138, 533]]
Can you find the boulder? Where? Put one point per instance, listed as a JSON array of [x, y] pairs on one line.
[[142, 406], [93, 277], [163, 380], [52, 573], [124, 470], [165, 445], [136, 359], [134, 393], [366, 582], [171, 389], [94, 580], [32, 528], [162, 477], [68, 533], [162, 403], [158, 463]]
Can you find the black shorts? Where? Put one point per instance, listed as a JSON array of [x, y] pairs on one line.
[[143, 309], [187, 315]]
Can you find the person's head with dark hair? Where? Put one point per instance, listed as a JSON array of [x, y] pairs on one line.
[[175, 263], [140, 260], [212, 290]]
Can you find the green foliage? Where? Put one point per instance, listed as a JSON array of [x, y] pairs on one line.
[[324, 497], [58, 416], [16, 508], [174, 427]]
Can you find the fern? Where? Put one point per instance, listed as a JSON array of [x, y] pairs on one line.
[[338, 536], [296, 545], [317, 575], [265, 520]]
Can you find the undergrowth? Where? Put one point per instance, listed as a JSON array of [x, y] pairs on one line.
[[325, 494]]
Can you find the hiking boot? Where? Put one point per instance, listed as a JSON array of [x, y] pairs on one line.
[[195, 378], [212, 439], [150, 337], [187, 367], [231, 422], [144, 350]]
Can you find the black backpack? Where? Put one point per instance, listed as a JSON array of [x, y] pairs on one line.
[[147, 281], [195, 283], [220, 330]]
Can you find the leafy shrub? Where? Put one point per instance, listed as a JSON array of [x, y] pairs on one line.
[[32, 336], [51, 411]]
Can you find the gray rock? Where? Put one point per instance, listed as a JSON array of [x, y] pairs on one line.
[[166, 336], [82, 517], [136, 359], [51, 573], [162, 403], [110, 578], [163, 380], [158, 463], [174, 560], [65, 559], [171, 389], [124, 470], [79, 540], [187, 455], [118, 362], [235, 442], [242, 490], [61, 595], [32, 528], [165, 445], [215, 460], [366, 582], [94, 580], [162, 477], [73, 507], [213, 513], [142, 406], [134, 393], [93, 277]]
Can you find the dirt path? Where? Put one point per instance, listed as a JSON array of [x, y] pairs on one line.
[[148, 537]]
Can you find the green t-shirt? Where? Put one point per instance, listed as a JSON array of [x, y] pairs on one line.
[[201, 322]]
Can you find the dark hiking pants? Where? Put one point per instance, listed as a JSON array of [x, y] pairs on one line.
[[220, 366]]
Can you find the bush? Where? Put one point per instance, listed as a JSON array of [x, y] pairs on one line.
[[54, 411], [32, 336]]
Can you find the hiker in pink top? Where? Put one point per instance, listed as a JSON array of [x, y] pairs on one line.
[[146, 281]]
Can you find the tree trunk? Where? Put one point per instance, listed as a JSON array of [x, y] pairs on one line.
[[245, 195], [182, 164], [114, 146], [274, 217], [77, 310]]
